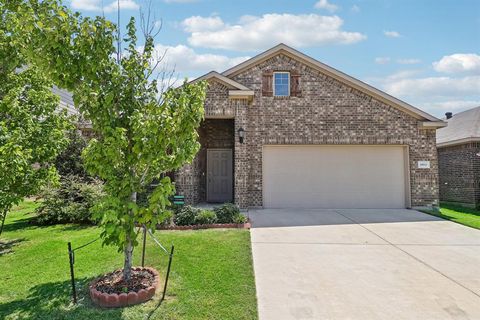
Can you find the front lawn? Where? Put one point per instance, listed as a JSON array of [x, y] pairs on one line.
[[211, 278], [466, 216]]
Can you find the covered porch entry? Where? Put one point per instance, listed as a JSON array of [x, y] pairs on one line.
[[215, 161]]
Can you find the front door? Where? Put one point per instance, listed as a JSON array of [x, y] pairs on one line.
[[219, 175]]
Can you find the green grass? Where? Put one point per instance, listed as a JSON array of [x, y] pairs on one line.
[[467, 216], [211, 277]]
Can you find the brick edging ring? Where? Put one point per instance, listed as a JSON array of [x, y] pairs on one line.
[[115, 300]]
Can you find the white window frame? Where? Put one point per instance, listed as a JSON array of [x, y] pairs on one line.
[[273, 84]]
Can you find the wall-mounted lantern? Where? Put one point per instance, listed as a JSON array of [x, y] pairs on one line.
[[241, 135]]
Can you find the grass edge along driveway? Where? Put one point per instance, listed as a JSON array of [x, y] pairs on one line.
[[469, 217], [211, 278]]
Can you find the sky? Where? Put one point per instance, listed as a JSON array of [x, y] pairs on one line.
[[425, 52]]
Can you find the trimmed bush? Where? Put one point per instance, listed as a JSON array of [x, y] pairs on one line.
[[206, 217], [186, 216], [70, 202], [226, 213], [239, 218]]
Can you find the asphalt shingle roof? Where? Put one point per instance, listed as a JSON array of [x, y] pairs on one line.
[[66, 100], [463, 125]]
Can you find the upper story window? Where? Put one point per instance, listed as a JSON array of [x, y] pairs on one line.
[[281, 84]]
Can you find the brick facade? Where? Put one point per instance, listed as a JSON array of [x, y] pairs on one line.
[[459, 172], [327, 112]]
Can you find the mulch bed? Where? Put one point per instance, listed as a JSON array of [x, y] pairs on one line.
[[110, 291], [113, 282], [246, 225]]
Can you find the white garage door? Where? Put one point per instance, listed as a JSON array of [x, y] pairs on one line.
[[334, 177]]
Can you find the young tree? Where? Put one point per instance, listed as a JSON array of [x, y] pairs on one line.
[[140, 132], [141, 137], [32, 133]]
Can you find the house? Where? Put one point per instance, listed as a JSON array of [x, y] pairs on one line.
[[285, 130], [66, 103], [458, 148]]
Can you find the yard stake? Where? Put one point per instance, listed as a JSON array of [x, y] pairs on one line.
[[72, 276], [168, 273], [144, 242]]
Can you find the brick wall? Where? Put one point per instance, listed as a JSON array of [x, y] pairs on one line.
[[328, 112], [217, 104], [459, 171]]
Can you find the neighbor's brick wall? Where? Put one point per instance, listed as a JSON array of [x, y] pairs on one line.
[[328, 112], [459, 171]]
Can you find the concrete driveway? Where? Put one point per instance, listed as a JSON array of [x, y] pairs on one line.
[[364, 264]]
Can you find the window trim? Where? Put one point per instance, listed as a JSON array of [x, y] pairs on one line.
[[288, 85]]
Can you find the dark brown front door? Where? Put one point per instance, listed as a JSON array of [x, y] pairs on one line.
[[219, 175]]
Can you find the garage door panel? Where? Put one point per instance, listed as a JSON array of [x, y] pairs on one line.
[[334, 176]]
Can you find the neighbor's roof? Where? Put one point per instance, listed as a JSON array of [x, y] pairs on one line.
[[432, 121], [463, 127], [66, 100]]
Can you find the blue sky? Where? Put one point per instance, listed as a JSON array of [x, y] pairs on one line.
[[425, 52]]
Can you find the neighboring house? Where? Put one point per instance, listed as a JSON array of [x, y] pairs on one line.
[[66, 103], [458, 148], [284, 130]]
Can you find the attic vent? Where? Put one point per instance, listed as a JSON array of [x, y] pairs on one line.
[[449, 115]]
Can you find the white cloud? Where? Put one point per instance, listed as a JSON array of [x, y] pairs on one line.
[[96, 5], [392, 34], [355, 8], [186, 60], [451, 105], [382, 60], [199, 24], [124, 5], [88, 5], [256, 33], [434, 87], [408, 61], [403, 74], [324, 4], [459, 62]]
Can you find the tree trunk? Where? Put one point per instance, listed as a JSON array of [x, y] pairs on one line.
[[4, 216], [128, 251]]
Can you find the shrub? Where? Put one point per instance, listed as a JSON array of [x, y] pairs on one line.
[[239, 218], [226, 213], [70, 202], [70, 161], [206, 217], [166, 218], [186, 216]]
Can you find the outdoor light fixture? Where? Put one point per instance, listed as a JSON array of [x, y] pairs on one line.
[[241, 135]]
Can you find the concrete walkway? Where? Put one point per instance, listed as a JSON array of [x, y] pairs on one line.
[[364, 264]]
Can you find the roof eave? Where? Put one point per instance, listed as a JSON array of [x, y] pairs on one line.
[[433, 124], [215, 75], [458, 142]]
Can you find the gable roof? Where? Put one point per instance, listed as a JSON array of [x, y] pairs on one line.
[[237, 90], [338, 75], [463, 127], [228, 82]]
